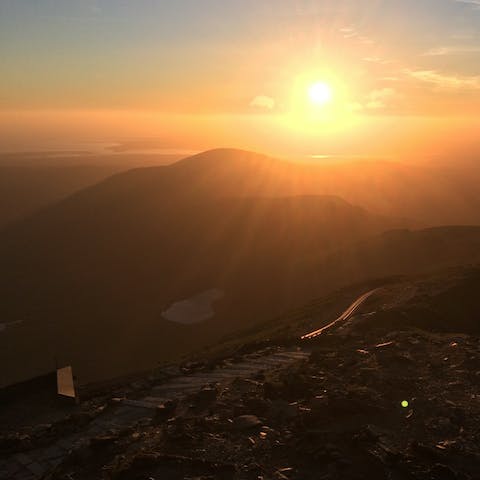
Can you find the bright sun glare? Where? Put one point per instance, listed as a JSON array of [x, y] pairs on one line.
[[320, 93]]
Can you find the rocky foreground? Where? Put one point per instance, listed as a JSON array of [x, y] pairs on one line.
[[392, 394]]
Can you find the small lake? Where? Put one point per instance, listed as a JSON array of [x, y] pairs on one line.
[[195, 309]]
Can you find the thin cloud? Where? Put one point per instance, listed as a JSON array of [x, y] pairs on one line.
[[263, 102], [451, 50], [352, 33], [379, 99], [474, 3], [376, 101], [377, 60], [450, 82]]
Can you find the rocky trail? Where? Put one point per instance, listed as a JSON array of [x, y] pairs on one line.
[[390, 392], [129, 413]]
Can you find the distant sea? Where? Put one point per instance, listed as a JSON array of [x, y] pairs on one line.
[[95, 148]]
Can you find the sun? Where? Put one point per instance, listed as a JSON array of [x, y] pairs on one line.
[[319, 104], [320, 93]]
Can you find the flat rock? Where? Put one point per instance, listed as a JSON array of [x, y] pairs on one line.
[[246, 422]]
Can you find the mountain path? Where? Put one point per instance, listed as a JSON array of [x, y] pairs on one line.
[[35, 464]]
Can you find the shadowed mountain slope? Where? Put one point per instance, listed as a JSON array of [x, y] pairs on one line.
[[26, 189], [392, 388], [85, 282], [32, 181]]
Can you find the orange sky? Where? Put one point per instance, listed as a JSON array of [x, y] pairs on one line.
[[405, 76]]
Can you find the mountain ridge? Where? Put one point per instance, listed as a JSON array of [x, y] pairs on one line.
[[100, 267]]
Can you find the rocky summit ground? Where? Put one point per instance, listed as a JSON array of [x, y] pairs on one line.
[[392, 393]]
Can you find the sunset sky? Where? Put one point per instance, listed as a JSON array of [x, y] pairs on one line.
[[190, 74]]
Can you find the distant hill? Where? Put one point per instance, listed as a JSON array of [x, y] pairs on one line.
[[24, 190], [431, 193], [89, 277], [32, 181]]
